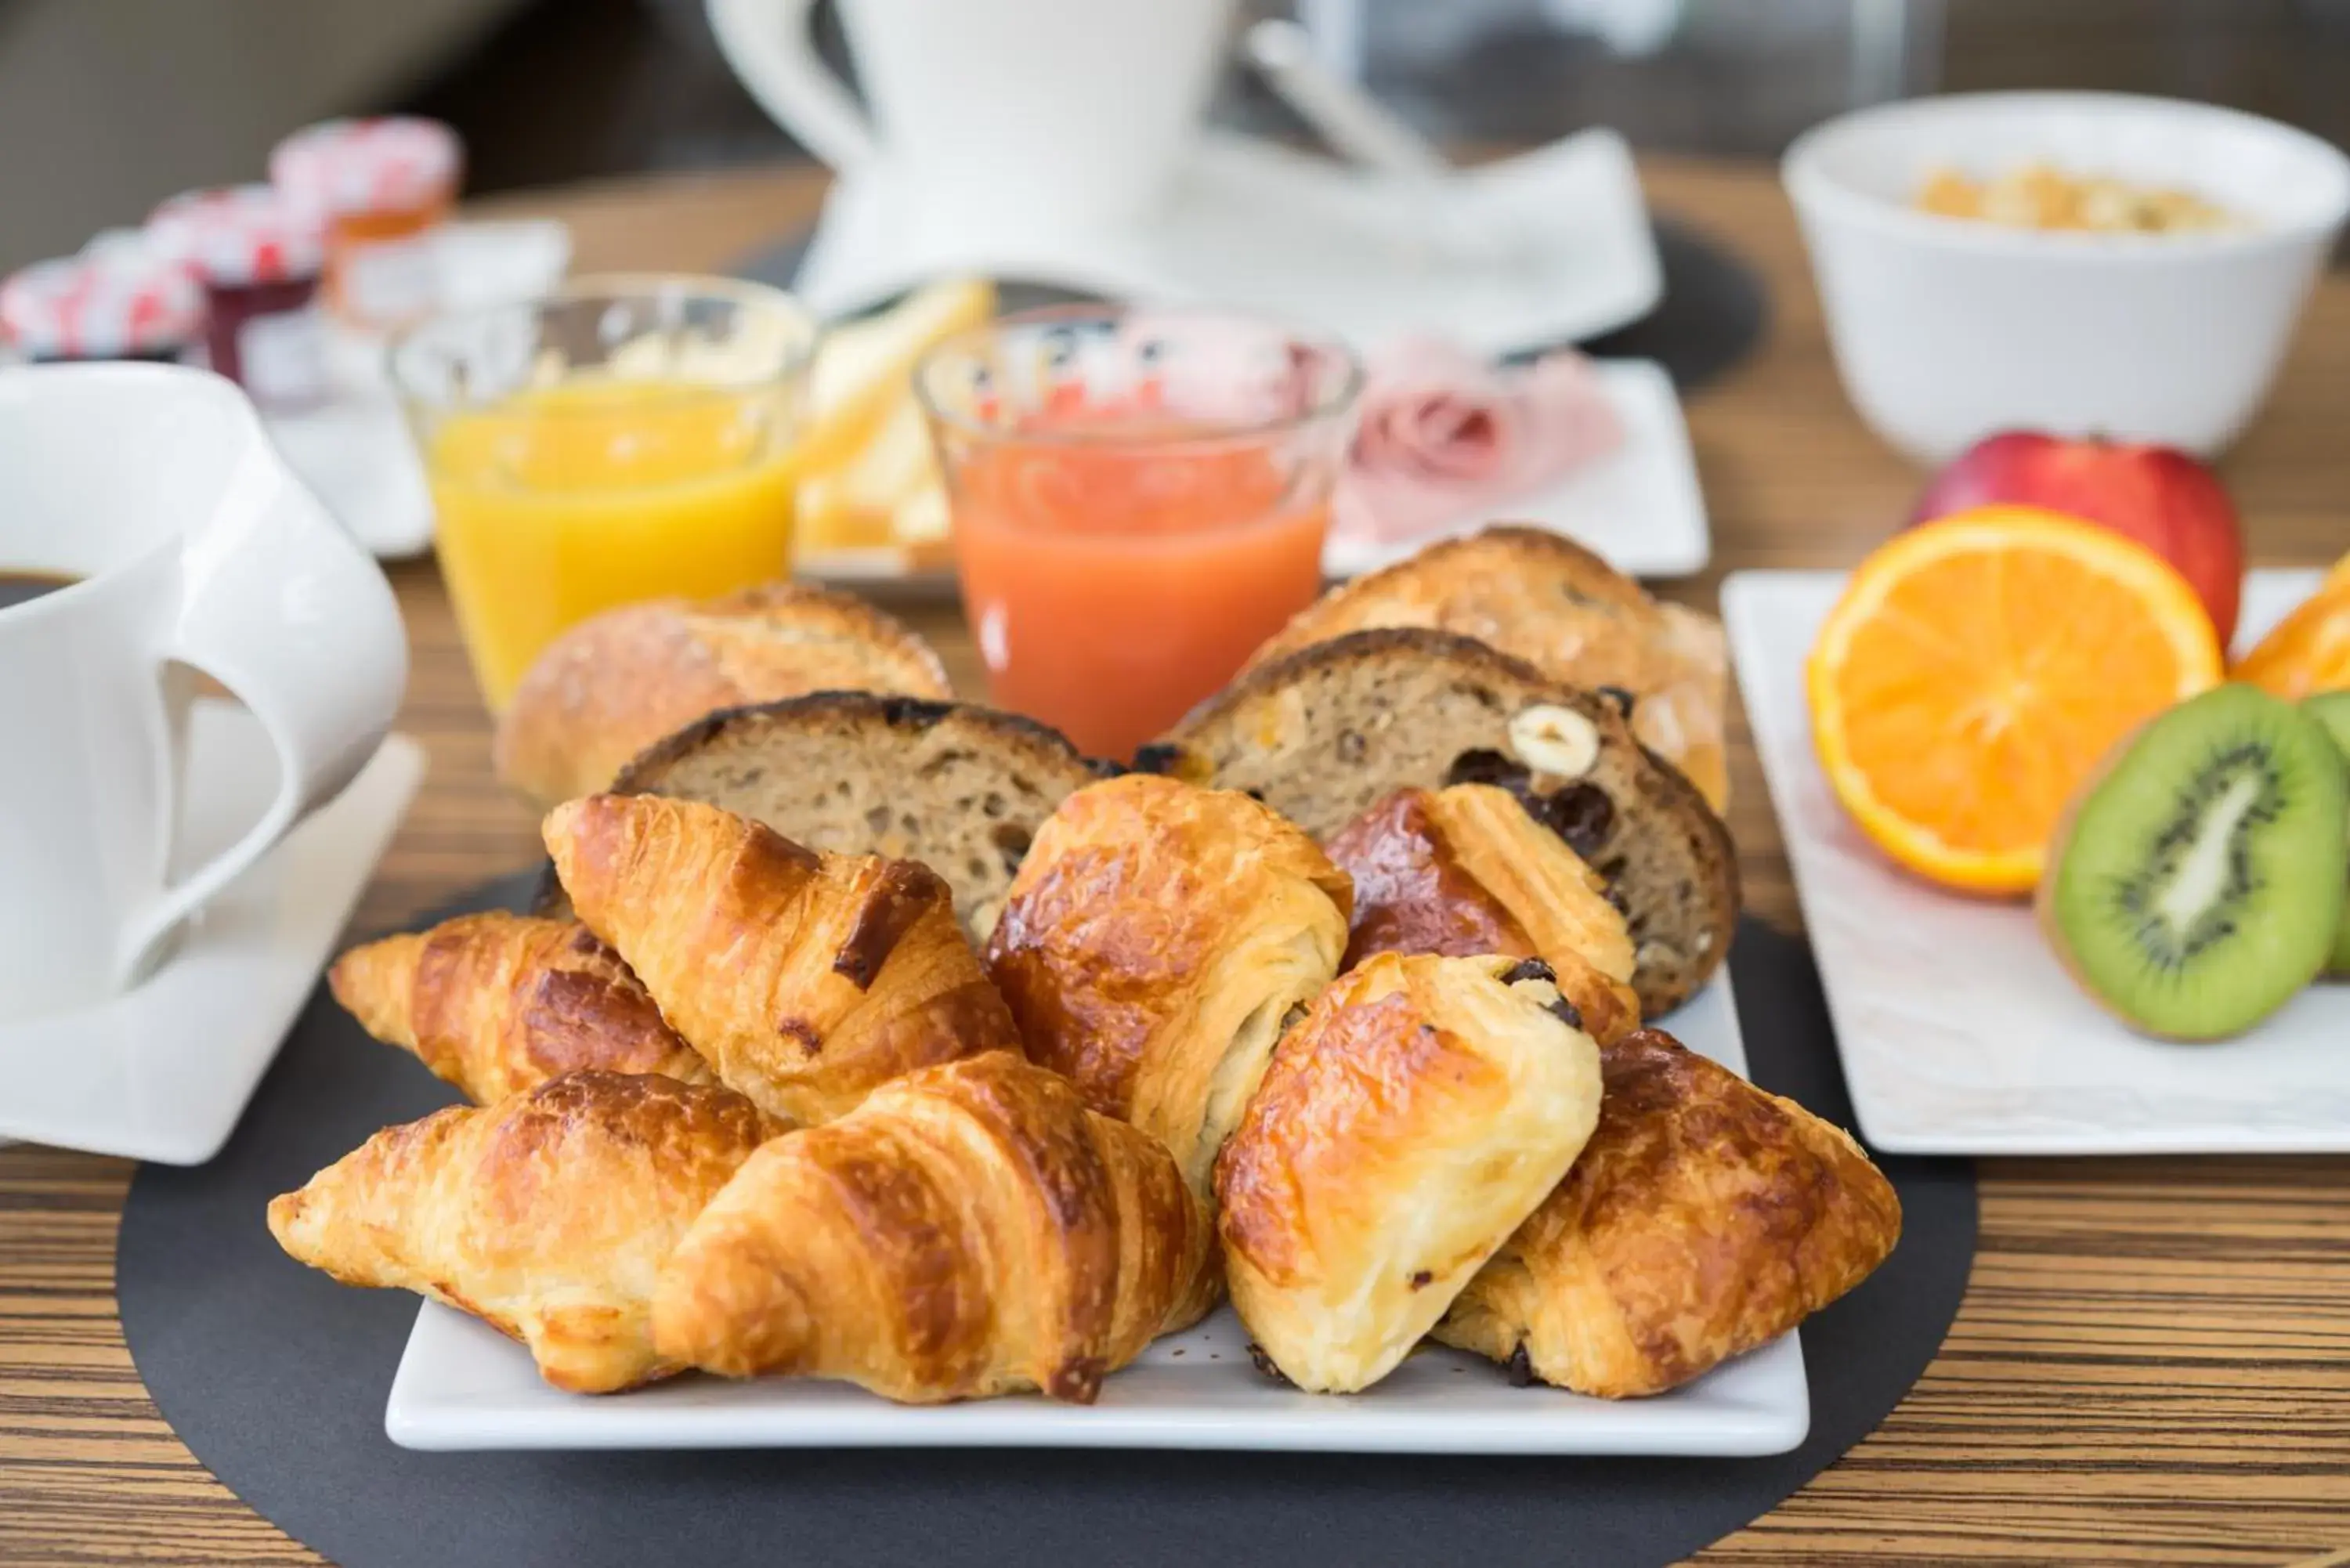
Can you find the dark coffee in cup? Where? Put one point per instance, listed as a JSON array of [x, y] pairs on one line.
[[22, 588]]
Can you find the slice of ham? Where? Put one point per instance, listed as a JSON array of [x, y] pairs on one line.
[[1444, 438]]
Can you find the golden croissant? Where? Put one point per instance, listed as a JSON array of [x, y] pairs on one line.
[[1704, 1218], [970, 1230], [1464, 871], [547, 1215], [496, 1003], [1155, 941], [804, 979]]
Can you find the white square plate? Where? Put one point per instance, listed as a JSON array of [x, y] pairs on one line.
[[462, 1384], [1640, 506], [1959, 1033], [163, 1073]]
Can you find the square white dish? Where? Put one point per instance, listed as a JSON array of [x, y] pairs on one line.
[[163, 1072], [1640, 506], [1959, 1030], [463, 1385]]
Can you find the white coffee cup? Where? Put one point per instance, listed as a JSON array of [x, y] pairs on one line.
[[1072, 114], [192, 547]]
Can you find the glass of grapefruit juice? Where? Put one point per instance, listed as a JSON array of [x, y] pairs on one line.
[[625, 439], [1139, 498]]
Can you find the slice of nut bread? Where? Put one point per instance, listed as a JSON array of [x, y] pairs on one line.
[[1321, 734], [1542, 598], [959, 787]]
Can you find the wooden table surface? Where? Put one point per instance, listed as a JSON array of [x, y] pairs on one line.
[[2152, 1364]]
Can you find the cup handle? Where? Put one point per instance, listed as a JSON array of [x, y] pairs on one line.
[[277, 604], [771, 49]]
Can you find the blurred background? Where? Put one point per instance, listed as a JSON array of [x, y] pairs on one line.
[[111, 105]]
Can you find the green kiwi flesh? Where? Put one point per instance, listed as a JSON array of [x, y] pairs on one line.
[[2332, 709], [2199, 878]]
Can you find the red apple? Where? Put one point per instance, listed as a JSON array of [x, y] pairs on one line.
[[2158, 495]]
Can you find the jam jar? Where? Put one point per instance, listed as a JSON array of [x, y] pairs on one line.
[[258, 255], [382, 186], [121, 301]]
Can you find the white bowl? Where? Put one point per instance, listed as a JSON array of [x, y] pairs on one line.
[[1946, 330]]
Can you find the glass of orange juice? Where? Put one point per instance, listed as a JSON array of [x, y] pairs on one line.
[[623, 438], [1139, 498]]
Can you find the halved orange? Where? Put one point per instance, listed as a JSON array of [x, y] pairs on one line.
[[2310, 648], [1975, 671]]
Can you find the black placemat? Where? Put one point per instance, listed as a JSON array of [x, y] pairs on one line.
[[276, 1378], [1711, 315]]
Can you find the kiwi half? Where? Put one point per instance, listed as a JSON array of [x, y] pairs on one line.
[[2332, 709], [2198, 880]]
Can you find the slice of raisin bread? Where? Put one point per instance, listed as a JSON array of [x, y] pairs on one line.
[[959, 787], [1321, 734]]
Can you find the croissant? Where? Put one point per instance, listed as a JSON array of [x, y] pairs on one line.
[[1154, 943], [804, 979], [1421, 1109], [547, 1215], [1705, 1218], [1464, 871], [970, 1230], [497, 1003]]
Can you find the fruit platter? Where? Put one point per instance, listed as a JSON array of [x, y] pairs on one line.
[[2075, 876]]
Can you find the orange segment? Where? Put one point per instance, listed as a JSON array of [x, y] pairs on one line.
[[1976, 670], [2310, 648]]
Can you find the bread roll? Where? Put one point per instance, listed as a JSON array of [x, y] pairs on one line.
[[618, 681]]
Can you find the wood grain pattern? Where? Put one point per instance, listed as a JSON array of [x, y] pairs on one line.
[[2153, 1362]]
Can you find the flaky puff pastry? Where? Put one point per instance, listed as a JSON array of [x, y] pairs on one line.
[[970, 1230], [497, 1003], [1409, 1122], [547, 1215], [1464, 871], [1156, 939], [804, 979], [1705, 1218]]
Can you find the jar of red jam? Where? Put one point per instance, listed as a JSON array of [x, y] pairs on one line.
[[121, 302], [382, 186], [258, 255]]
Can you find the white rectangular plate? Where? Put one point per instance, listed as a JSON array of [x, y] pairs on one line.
[[462, 1384], [1959, 1033], [1640, 506]]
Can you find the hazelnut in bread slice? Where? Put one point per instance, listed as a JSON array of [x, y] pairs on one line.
[[1323, 733]]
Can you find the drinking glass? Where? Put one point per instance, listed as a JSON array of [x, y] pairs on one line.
[[1139, 498], [623, 438]]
